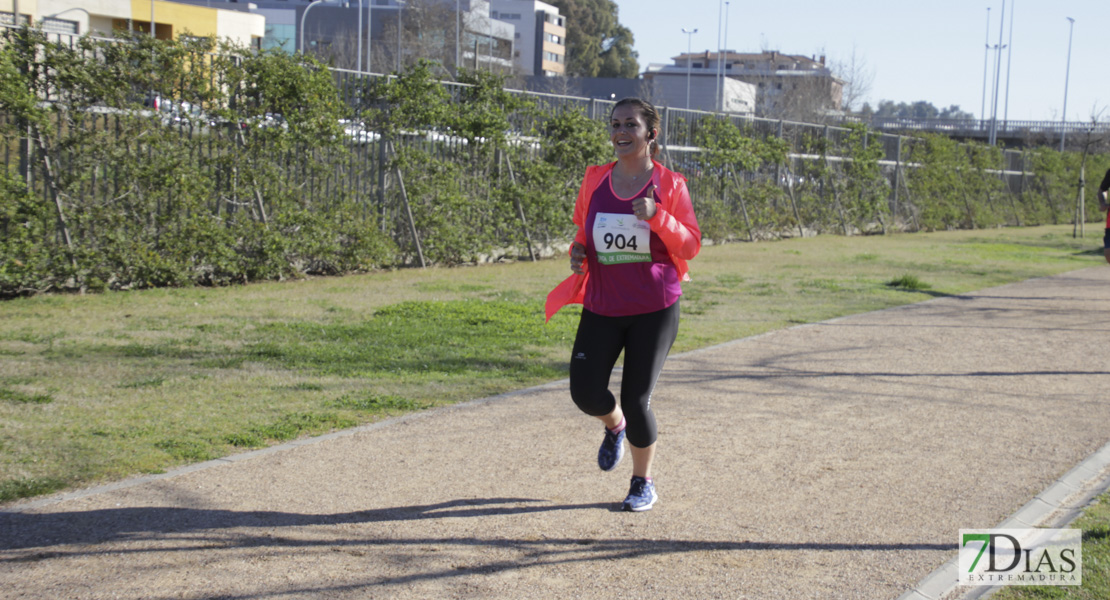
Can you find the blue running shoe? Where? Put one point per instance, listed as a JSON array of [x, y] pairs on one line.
[[641, 496], [611, 452]]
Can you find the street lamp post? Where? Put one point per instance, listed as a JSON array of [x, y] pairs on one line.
[[717, 73], [997, 68], [986, 55], [724, 72], [992, 128], [1067, 73], [400, 29], [303, 16], [358, 34], [1009, 55], [689, 60]]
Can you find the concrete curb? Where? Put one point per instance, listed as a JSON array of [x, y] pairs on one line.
[[1059, 505]]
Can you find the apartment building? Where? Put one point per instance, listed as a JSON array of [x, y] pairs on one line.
[[784, 84], [168, 19], [540, 36]]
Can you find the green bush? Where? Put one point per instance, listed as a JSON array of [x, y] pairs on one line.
[[226, 192]]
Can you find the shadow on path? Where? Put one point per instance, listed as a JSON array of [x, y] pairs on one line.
[[69, 535], [105, 525]]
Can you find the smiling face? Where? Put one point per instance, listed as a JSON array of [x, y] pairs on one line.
[[629, 132]]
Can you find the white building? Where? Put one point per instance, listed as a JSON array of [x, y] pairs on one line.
[[785, 84], [488, 43], [700, 91], [540, 38], [170, 19]]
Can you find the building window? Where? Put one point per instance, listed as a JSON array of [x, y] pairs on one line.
[[281, 37], [696, 65], [52, 25], [6, 19]]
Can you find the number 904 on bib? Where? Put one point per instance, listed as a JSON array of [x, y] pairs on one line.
[[621, 238]]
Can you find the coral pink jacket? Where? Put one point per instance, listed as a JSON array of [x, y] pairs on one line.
[[674, 222]]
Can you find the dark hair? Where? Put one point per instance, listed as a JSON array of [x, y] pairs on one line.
[[650, 115]]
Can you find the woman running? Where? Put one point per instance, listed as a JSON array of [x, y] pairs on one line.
[[636, 230]]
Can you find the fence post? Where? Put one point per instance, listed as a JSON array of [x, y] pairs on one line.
[[408, 210], [381, 184], [897, 173], [26, 141], [778, 167], [519, 206], [666, 124]]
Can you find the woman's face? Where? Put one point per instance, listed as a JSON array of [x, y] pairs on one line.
[[628, 132]]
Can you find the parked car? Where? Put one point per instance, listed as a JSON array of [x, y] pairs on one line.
[[176, 111], [357, 133]]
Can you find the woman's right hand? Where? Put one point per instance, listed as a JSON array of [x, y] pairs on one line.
[[578, 258]]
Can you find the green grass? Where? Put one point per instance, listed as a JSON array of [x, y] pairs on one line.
[[15, 396], [908, 282], [95, 388], [1095, 523]]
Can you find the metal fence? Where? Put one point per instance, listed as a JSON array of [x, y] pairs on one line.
[[360, 170]]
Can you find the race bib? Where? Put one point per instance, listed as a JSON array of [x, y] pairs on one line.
[[621, 238]]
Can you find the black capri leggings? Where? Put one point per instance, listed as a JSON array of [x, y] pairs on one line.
[[646, 339]]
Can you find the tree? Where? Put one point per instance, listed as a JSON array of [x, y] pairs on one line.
[[858, 77], [918, 110], [597, 44]]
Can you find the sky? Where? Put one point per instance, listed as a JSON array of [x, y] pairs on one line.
[[914, 50]]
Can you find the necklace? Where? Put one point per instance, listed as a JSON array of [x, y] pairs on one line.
[[640, 174]]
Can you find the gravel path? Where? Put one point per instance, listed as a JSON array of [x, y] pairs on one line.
[[834, 460]]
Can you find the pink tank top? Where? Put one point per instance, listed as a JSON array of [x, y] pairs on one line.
[[631, 272]]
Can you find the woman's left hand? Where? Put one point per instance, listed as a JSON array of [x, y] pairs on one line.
[[645, 208]]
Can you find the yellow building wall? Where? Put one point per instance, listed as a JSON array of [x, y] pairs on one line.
[[101, 17], [171, 20]]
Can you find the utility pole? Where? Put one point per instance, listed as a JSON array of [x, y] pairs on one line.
[[997, 68], [717, 73], [1067, 74], [724, 72], [986, 56], [689, 60], [1009, 55]]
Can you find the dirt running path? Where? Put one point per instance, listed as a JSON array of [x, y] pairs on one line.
[[836, 460]]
